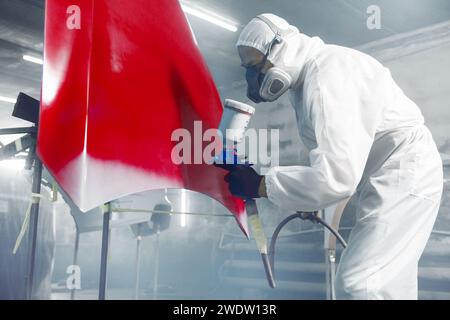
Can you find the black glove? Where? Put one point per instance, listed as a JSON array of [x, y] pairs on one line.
[[244, 182]]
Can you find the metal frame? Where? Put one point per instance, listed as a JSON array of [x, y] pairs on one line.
[[137, 267], [75, 258], [330, 247], [34, 211], [104, 252], [33, 226], [18, 130]]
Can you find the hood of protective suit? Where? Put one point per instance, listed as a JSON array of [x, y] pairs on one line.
[[291, 54]]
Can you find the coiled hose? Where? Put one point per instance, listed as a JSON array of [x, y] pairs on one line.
[[312, 216]]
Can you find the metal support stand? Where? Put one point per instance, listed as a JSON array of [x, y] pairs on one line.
[[137, 272], [156, 274], [33, 226], [330, 260], [27, 108], [332, 216], [104, 254], [75, 259]]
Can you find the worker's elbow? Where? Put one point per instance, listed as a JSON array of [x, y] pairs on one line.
[[333, 198], [348, 192], [340, 190], [339, 184]]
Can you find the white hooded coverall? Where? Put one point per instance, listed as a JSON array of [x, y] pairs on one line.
[[367, 140]]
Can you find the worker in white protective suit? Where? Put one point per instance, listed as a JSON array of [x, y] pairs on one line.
[[366, 139]]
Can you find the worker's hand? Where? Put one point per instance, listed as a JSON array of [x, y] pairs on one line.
[[244, 182]]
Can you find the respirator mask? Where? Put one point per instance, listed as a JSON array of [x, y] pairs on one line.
[[270, 86]]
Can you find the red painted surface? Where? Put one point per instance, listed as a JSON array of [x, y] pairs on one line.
[[114, 91]]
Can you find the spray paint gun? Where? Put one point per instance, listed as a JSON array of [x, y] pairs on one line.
[[235, 119]]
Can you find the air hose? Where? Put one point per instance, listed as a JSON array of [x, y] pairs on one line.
[[312, 216]]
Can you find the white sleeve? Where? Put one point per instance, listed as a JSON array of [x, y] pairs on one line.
[[344, 124]]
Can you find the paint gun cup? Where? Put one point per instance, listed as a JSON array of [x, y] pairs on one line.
[[235, 119]]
